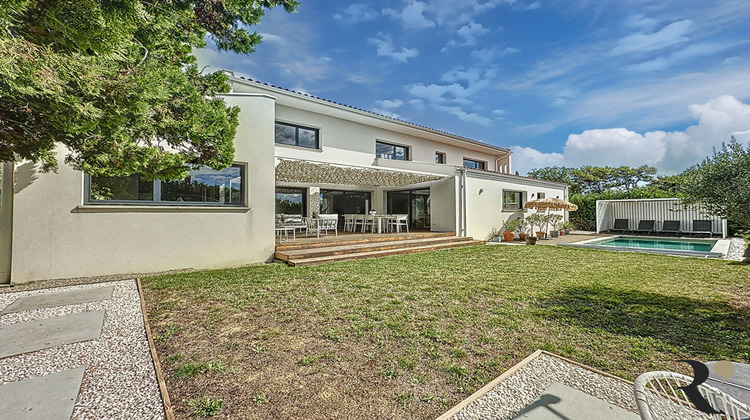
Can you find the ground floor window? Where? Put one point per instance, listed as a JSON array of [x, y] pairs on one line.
[[202, 186], [512, 200], [345, 202], [415, 203], [291, 201], [474, 164]]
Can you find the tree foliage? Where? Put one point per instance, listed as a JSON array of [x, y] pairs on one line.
[[721, 183], [115, 83], [597, 179]]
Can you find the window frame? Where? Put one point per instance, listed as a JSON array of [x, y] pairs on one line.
[[483, 163], [407, 150], [87, 200], [520, 200], [443, 158], [296, 135]]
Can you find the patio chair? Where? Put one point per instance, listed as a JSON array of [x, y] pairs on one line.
[[671, 226], [327, 222], [658, 397], [645, 226], [369, 222], [620, 225], [359, 221], [348, 222], [702, 226], [295, 221], [398, 221]]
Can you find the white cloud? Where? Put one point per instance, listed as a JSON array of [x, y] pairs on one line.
[[469, 33], [670, 152], [412, 16], [462, 115], [386, 107], [385, 48], [639, 43], [356, 13], [489, 54]]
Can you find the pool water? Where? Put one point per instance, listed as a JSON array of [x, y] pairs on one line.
[[670, 244]]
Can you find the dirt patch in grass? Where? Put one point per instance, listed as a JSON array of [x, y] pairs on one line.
[[410, 336]]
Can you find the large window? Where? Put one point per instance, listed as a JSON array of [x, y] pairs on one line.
[[391, 151], [203, 186], [296, 135], [512, 200], [291, 201], [474, 164]]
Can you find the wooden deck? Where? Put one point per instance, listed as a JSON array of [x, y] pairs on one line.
[[352, 246]]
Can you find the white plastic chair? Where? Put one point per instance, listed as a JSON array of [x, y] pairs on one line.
[[658, 397], [398, 221], [328, 222], [359, 221], [369, 222], [348, 223]]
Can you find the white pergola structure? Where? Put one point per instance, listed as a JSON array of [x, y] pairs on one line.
[[657, 209]]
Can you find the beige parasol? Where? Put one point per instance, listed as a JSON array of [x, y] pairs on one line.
[[550, 204]]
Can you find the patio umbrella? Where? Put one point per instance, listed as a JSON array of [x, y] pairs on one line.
[[550, 204]]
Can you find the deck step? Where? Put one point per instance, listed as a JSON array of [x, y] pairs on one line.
[[336, 249], [365, 253], [370, 238]]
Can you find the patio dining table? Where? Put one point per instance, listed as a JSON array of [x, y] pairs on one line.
[[383, 219]]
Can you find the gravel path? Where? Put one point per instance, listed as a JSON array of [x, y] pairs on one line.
[[736, 249], [523, 386], [119, 380]]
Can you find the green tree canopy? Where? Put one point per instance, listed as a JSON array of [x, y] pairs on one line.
[[721, 183], [115, 83], [597, 179]]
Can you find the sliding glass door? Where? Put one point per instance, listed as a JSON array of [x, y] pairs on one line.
[[345, 202], [415, 203]]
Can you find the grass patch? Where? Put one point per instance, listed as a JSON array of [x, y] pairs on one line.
[[204, 406], [409, 336]]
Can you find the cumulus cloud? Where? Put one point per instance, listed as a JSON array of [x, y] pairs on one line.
[[670, 152], [468, 34], [356, 13], [412, 16], [387, 107], [385, 48], [489, 54]]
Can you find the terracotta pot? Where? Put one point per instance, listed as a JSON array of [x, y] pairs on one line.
[[523, 236], [508, 235], [531, 240], [541, 235]]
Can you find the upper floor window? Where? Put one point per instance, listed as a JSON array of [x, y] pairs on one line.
[[202, 186], [439, 157], [297, 135], [474, 164], [391, 151]]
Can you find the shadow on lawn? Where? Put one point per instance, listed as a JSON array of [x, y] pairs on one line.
[[711, 329]]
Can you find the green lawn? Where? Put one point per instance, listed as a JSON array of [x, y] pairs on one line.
[[410, 336]]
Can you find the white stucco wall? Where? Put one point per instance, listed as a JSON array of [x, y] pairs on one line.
[[484, 199], [56, 236]]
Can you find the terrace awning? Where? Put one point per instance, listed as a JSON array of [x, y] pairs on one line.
[[301, 171]]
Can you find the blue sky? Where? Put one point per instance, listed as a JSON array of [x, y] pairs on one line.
[[571, 82]]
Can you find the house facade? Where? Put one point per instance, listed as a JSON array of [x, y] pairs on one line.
[[295, 154]]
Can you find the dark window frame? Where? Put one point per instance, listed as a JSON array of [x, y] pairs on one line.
[[442, 158], [407, 151], [297, 127], [157, 195], [480, 164], [518, 205]]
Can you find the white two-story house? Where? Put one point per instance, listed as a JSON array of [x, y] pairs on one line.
[[294, 153]]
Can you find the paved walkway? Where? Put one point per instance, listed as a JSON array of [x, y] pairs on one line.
[[76, 352]]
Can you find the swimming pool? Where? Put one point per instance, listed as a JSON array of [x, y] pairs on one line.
[[706, 248]]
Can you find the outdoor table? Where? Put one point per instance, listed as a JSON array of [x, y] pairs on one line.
[[285, 231], [383, 218]]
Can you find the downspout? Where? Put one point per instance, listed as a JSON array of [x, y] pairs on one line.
[[6, 222], [462, 203]]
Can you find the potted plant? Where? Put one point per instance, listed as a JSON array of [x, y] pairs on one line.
[[511, 226], [522, 235], [535, 220], [555, 220], [494, 235], [566, 226]]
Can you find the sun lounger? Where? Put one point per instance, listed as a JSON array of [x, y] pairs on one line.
[[671, 226], [702, 226], [645, 226], [620, 225]]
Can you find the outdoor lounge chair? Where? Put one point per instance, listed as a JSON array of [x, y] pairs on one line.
[[702, 226], [658, 397], [645, 226], [671, 226], [620, 225]]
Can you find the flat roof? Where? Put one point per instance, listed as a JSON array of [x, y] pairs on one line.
[[366, 112]]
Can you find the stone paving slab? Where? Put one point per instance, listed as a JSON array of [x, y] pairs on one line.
[[45, 397], [50, 300], [560, 401], [36, 335]]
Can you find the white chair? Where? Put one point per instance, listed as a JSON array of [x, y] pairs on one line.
[[349, 223], [359, 221], [369, 222], [398, 221], [328, 222], [658, 397]]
